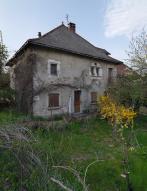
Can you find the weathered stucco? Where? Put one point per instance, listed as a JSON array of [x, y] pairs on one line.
[[33, 82], [74, 74], [22, 81]]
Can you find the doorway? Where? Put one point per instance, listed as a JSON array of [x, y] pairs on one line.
[[77, 95]]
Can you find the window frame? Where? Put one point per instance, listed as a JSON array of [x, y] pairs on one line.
[[96, 70], [49, 68], [110, 77], [52, 72], [92, 68]]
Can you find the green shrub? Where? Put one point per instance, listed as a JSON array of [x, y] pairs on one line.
[[7, 95]]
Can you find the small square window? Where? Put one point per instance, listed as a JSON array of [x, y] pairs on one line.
[[54, 69], [53, 100], [93, 97]]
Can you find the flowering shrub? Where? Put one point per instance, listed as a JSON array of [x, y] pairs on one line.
[[117, 114], [120, 118]]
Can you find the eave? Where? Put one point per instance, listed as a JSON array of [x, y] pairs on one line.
[[31, 43]]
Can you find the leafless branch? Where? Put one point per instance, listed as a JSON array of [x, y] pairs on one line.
[[60, 184]]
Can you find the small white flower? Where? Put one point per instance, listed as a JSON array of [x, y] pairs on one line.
[[123, 175]]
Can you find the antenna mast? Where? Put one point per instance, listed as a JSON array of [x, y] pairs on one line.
[[67, 18]]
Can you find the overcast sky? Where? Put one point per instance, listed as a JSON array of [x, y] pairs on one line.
[[107, 24]]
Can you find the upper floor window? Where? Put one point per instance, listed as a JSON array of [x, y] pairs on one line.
[[53, 69], [92, 71], [110, 74], [95, 70], [98, 71]]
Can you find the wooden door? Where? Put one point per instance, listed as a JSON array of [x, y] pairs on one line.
[[110, 72], [77, 95]]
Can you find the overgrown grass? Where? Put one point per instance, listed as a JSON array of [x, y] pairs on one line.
[[10, 116], [77, 146]]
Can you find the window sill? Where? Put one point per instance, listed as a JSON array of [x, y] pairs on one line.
[[54, 108], [53, 76], [95, 76]]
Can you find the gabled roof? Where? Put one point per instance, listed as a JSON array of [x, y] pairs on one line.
[[61, 38]]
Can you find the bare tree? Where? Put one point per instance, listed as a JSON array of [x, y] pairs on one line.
[[131, 89], [137, 53]]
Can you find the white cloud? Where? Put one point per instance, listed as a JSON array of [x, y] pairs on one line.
[[123, 17]]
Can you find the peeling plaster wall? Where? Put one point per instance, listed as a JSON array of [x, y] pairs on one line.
[[71, 68], [22, 81]]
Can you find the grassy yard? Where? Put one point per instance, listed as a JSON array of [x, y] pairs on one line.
[[77, 145]]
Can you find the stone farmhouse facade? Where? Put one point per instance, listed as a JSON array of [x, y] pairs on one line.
[[60, 72]]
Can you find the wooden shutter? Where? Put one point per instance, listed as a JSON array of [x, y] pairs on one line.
[[110, 74], [53, 100], [93, 97]]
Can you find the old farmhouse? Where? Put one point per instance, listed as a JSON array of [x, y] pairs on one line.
[[60, 72]]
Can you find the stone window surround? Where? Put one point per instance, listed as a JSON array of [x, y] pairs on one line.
[[50, 61], [95, 66]]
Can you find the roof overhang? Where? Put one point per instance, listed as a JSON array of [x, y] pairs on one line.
[[29, 43]]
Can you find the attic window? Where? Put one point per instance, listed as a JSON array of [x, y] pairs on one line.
[[54, 69]]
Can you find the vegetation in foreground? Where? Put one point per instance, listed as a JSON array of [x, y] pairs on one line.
[[30, 162]]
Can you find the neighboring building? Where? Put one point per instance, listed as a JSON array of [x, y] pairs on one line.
[[60, 72], [123, 69]]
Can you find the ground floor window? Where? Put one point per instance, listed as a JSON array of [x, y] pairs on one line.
[[93, 97], [54, 100]]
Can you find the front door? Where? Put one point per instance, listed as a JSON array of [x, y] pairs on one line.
[[77, 95]]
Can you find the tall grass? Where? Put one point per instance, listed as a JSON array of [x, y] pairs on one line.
[[29, 158], [27, 170]]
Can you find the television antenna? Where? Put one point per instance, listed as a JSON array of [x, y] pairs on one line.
[[67, 18]]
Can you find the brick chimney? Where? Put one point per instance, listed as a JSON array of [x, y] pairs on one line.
[[72, 27]]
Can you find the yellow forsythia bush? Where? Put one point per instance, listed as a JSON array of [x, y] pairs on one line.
[[117, 114]]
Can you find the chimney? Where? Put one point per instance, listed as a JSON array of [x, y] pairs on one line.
[[39, 34], [72, 27]]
